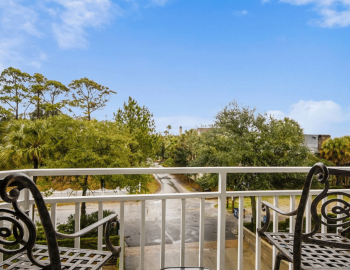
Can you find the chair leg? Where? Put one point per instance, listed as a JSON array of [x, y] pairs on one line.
[[279, 258]]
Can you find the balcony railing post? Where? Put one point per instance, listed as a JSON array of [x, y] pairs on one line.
[[201, 232], [308, 215], [221, 222], [257, 237], [275, 229], [121, 236], [240, 233], [142, 234], [100, 229], [77, 224], [324, 227], [291, 220], [183, 232], [162, 244], [54, 214], [339, 197]]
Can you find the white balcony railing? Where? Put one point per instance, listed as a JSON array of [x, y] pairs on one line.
[[221, 195]]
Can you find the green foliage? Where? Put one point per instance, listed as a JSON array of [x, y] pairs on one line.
[[25, 144], [180, 149], [138, 122], [89, 95], [242, 137], [14, 89], [337, 150], [85, 221], [169, 163]]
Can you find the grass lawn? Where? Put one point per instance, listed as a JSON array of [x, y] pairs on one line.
[[283, 202]]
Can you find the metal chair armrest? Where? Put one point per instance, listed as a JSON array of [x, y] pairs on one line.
[[87, 229], [278, 210]]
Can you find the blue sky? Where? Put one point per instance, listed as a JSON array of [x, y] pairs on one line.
[[187, 59]]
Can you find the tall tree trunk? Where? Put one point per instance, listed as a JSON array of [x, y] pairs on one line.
[[37, 109], [253, 202], [85, 187], [17, 104]]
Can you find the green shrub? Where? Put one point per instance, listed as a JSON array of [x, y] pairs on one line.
[[85, 221], [283, 226]]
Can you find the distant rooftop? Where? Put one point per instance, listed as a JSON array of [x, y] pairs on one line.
[[314, 141]]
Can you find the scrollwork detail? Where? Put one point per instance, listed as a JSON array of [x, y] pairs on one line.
[[17, 217]]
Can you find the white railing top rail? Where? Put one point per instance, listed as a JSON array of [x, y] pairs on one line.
[[172, 170], [173, 196]]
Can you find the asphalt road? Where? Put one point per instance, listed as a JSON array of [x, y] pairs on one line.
[[173, 214], [169, 184]]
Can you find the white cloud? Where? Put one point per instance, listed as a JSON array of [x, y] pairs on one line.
[[315, 116], [35, 64], [78, 15], [8, 53], [18, 25], [17, 17], [187, 123], [22, 23], [240, 12], [159, 2], [334, 13]]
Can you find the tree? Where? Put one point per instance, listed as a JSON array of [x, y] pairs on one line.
[[337, 151], [242, 137], [89, 95], [89, 144], [14, 88], [139, 123], [36, 93], [52, 106], [26, 144]]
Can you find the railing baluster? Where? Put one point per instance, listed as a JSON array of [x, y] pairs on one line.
[[339, 197], [201, 232], [221, 222], [308, 215], [257, 238], [100, 229], [240, 233], [162, 246], [54, 215], [275, 229], [26, 207], [121, 235], [142, 234], [183, 232], [291, 220], [324, 227], [77, 224]]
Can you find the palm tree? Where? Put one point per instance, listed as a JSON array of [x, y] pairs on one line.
[[337, 150], [25, 143]]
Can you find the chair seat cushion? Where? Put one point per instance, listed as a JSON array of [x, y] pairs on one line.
[[313, 256], [71, 258]]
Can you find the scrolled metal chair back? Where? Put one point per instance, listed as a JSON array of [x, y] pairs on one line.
[[322, 174], [17, 182]]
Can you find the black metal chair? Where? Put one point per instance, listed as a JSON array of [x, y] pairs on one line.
[[28, 255], [314, 250]]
